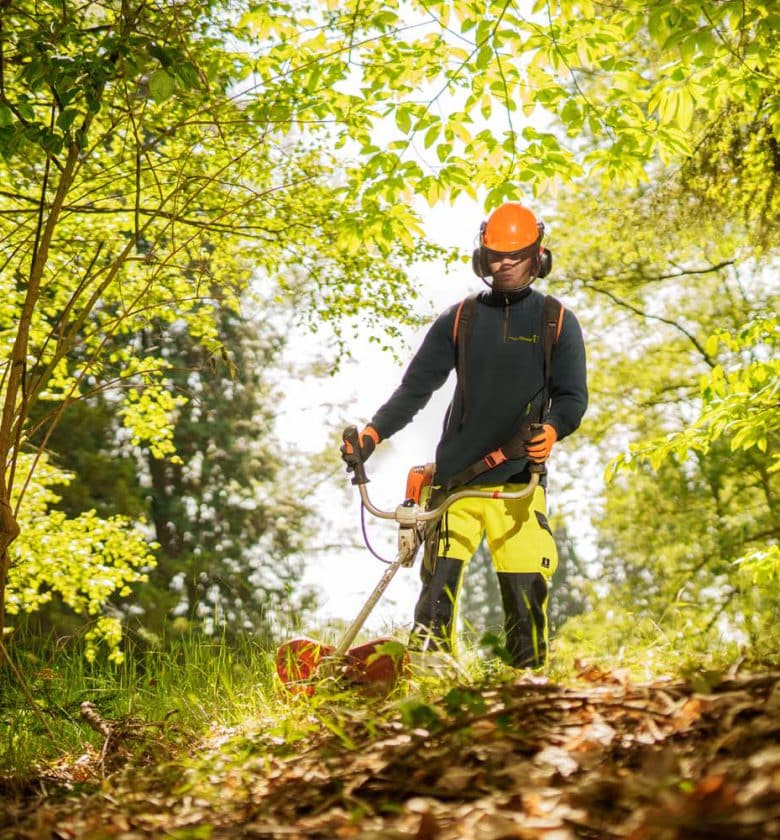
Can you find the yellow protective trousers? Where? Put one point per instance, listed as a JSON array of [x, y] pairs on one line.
[[524, 556], [517, 532]]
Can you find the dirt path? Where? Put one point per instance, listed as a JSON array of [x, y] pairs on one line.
[[530, 759]]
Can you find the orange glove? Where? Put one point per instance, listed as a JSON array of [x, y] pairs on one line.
[[368, 440], [538, 447]]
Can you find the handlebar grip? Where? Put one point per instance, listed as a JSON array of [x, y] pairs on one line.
[[352, 439], [531, 430]]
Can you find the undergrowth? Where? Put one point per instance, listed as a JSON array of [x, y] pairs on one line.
[[194, 693]]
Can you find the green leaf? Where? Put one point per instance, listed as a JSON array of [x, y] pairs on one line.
[[25, 109], [656, 25], [187, 73], [431, 134], [403, 119], [484, 57], [67, 118], [163, 55], [161, 85], [667, 106], [443, 151], [571, 113], [685, 106]]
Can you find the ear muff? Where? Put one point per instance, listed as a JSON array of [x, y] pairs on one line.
[[479, 262], [544, 262]]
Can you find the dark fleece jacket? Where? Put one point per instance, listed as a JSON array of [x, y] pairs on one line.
[[505, 382]]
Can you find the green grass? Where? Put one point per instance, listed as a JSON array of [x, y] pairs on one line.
[[186, 687], [179, 693]]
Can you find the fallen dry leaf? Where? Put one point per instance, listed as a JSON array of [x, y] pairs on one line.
[[538, 760]]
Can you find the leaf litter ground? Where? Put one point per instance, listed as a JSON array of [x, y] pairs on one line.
[[601, 758]]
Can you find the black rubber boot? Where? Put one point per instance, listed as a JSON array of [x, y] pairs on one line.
[[433, 615], [524, 595]]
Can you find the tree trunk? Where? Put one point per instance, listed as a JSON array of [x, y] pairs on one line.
[[9, 531], [14, 410]]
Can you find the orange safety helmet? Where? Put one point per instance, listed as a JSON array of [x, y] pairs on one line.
[[511, 229]]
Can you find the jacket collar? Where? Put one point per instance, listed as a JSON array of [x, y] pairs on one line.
[[496, 298]]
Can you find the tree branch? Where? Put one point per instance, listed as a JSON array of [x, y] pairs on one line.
[[647, 316]]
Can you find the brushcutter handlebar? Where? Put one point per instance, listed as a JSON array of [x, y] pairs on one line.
[[409, 515]]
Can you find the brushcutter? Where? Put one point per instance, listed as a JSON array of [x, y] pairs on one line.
[[376, 666]]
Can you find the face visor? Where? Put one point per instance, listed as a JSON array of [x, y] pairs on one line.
[[514, 256]]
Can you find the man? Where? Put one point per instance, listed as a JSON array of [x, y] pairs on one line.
[[501, 390]]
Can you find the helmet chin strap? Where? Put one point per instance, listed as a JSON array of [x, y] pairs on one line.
[[520, 288]]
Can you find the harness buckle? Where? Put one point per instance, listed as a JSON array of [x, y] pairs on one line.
[[493, 459]]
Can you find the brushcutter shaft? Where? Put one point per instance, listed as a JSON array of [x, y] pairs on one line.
[[372, 601]]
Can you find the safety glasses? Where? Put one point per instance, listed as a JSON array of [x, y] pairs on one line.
[[513, 256]]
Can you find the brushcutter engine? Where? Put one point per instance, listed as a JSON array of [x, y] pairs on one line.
[[418, 482], [409, 539], [411, 531]]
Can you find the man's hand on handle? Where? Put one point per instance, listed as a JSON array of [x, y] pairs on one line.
[[367, 439], [540, 443]]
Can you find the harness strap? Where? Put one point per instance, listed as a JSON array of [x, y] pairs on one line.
[[513, 448], [552, 321], [461, 334]]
